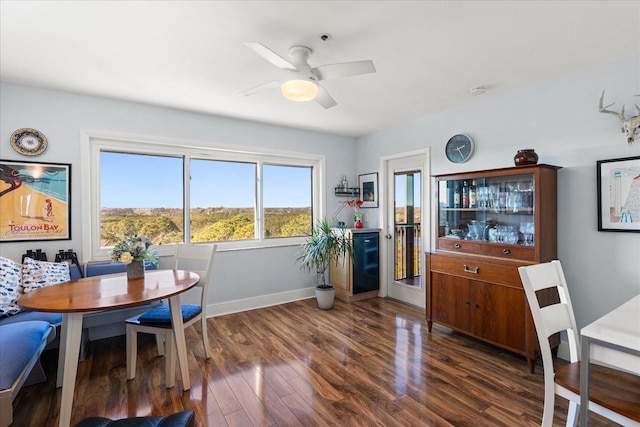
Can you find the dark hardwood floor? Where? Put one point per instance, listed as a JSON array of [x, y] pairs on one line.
[[363, 364]]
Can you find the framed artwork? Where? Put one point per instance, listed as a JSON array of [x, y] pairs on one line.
[[35, 201], [369, 190], [619, 194]]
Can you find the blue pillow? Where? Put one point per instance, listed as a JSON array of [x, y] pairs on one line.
[[161, 315]]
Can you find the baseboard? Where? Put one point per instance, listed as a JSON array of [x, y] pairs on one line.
[[259, 302]]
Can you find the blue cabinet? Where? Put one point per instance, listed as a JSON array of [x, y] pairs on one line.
[[361, 279], [366, 269]]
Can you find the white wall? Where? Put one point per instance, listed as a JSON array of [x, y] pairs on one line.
[[241, 276], [560, 120]]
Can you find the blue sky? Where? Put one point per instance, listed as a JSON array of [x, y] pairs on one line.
[[141, 181], [401, 190]]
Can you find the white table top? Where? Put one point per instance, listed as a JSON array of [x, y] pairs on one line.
[[620, 326]]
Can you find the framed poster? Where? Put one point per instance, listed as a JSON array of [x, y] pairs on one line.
[[619, 194], [369, 190], [35, 201]]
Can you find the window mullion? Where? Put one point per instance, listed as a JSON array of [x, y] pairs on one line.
[[186, 183], [259, 202]]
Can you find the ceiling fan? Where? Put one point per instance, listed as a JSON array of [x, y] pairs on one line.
[[302, 81]]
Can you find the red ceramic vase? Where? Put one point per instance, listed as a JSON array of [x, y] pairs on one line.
[[526, 157], [358, 224]]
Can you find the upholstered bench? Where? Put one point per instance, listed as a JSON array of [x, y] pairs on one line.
[[21, 344], [16, 321], [98, 325]]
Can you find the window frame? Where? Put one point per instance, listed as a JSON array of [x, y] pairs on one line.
[[95, 142]]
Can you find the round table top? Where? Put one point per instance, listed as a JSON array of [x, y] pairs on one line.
[[108, 291]]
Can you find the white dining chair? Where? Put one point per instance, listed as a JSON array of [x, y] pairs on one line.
[[613, 394], [199, 259]]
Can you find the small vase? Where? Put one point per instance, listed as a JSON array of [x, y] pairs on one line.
[[358, 224], [525, 157], [135, 270]]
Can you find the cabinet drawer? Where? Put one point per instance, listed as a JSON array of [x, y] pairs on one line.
[[508, 251], [456, 245], [476, 269]]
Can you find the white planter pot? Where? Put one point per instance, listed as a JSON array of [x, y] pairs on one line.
[[325, 297]]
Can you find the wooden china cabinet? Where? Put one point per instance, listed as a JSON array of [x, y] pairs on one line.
[[489, 223]]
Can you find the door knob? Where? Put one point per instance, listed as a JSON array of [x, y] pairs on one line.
[[388, 236]]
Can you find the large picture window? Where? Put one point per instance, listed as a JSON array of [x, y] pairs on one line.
[[222, 200], [141, 194], [287, 213], [176, 194]]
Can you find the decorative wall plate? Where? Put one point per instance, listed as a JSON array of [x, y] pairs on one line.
[[28, 142]]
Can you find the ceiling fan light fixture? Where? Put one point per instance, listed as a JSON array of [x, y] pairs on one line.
[[299, 90]]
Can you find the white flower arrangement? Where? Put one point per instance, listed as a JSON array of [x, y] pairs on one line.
[[134, 248]]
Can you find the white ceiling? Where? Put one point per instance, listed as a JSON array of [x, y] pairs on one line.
[[428, 54]]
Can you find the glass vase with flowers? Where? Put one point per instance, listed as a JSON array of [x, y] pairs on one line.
[[134, 251], [357, 216]]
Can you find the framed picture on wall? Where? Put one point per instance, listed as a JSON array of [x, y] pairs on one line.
[[35, 201], [619, 194], [369, 190]]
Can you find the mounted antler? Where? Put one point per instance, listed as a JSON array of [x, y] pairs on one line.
[[630, 126]]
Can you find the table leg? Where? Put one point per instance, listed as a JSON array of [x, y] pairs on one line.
[[181, 345], [68, 361], [584, 382]]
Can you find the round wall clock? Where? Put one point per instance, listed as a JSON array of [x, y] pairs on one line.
[[29, 142], [459, 148]]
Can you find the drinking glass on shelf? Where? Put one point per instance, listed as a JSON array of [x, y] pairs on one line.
[[515, 201], [502, 199], [483, 197], [493, 196], [527, 229]]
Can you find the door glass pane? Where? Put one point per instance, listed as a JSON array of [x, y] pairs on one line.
[[408, 216], [222, 196], [141, 195]]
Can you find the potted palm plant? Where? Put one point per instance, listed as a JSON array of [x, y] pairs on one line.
[[323, 246]]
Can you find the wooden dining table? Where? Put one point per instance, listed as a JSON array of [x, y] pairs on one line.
[[75, 298]]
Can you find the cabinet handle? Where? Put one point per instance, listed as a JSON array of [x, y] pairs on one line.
[[457, 246], [506, 251], [467, 302], [468, 270], [477, 305]]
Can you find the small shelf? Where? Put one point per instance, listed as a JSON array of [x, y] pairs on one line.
[[521, 211], [347, 192]]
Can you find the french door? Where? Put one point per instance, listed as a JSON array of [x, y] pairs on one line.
[[406, 226]]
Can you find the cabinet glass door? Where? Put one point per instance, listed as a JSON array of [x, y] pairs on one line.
[[496, 209]]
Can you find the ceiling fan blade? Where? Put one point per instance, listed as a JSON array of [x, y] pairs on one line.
[[271, 56], [323, 98], [345, 69], [265, 86]]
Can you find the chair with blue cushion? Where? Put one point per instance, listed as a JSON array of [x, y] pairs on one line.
[[197, 258]]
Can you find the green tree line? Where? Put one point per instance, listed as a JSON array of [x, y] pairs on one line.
[[164, 226]]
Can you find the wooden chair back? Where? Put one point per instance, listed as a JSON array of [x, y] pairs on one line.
[[613, 393]]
